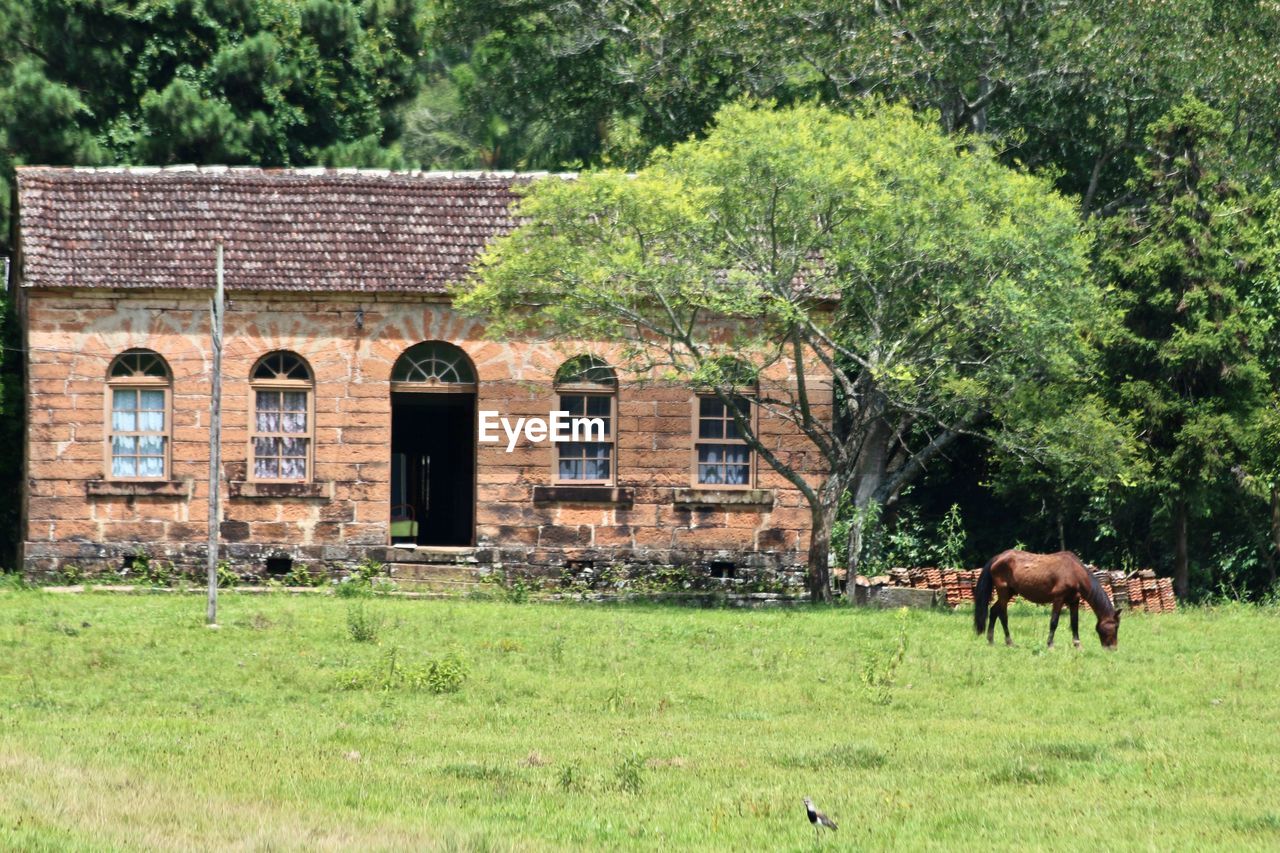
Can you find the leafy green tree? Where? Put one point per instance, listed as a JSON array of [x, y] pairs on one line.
[[943, 293], [1186, 256], [263, 82], [1264, 435], [1065, 85]]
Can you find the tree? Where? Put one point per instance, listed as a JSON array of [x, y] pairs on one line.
[[943, 293], [260, 82], [1185, 256], [1263, 297], [1065, 85]]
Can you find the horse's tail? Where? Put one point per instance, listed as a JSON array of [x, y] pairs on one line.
[[982, 597]]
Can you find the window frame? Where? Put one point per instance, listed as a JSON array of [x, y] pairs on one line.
[[569, 382], [584, 389], [280, 386], [137, 383], [695, 407], [435, 385]]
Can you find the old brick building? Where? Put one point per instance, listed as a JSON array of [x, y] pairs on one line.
[[350, 391]]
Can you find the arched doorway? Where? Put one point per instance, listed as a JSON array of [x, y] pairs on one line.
[[433, 450]]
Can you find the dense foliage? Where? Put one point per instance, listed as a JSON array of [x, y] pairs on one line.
[[266, 82], [1066, 84], [1162, 118], [946, 293]]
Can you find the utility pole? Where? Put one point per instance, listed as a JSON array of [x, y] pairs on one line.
[[215, 442]]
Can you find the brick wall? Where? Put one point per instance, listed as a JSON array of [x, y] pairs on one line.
[[74, 517]]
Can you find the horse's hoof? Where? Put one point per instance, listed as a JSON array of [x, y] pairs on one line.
[[1077, 645]]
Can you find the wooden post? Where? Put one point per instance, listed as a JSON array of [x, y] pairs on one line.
[[215, 441]]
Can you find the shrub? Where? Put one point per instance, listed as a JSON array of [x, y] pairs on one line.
[[141, 569], [570, 778], [880, 673], [952, 539], [13, 580], [445, 675], [362, 625], [349, 588], [440, 675], [367, 569], [511, 586], [226, 577], [360, 583], [629, 774], [300, 575]]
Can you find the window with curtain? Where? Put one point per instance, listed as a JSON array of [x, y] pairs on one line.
[[281, 431], [587, 388], [139, 384], [722, 456]]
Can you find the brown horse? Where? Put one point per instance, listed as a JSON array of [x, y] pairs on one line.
[[1058, 579]]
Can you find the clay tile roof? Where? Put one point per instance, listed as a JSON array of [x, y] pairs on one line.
[[288, 229]]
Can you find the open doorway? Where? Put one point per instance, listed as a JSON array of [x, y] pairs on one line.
[[433, 468]]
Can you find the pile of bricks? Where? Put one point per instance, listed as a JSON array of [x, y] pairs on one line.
[[1139, 591], [1143, 591], [957, 584]]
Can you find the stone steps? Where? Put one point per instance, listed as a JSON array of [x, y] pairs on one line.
[[443, 589], [432, 571], [432, 555], [447, 578]]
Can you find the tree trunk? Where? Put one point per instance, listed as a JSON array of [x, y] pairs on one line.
[[1275, 536], [818, 572], [870, 474], [862, 497], [1181, 571]]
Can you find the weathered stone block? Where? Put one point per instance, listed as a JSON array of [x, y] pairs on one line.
[[898, 596], [234, 531]]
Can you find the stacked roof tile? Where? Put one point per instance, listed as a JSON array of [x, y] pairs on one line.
[[302, 229]]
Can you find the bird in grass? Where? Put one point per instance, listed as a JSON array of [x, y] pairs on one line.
[[817, 818]]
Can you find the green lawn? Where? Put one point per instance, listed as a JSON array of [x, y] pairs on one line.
[[125, 723]]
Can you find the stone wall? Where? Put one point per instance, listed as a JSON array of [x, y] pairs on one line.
[[74, 516]]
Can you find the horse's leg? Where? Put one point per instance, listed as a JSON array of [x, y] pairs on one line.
[[1075, 622], [991, 623], [1053, 621], [1003, 604]]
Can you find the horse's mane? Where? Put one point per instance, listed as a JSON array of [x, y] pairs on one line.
[[1098, 599]]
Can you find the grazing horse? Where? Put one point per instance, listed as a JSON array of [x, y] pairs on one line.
[[1058, 579]]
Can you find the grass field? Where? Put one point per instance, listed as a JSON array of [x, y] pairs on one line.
[[125, 723]]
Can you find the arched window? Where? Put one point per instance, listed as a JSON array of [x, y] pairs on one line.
[[281, 430], [139, 385], [586, 370], [721, 456], [434, 363], [588, 391]]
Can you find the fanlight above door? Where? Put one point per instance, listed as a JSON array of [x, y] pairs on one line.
[[435, 363]]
